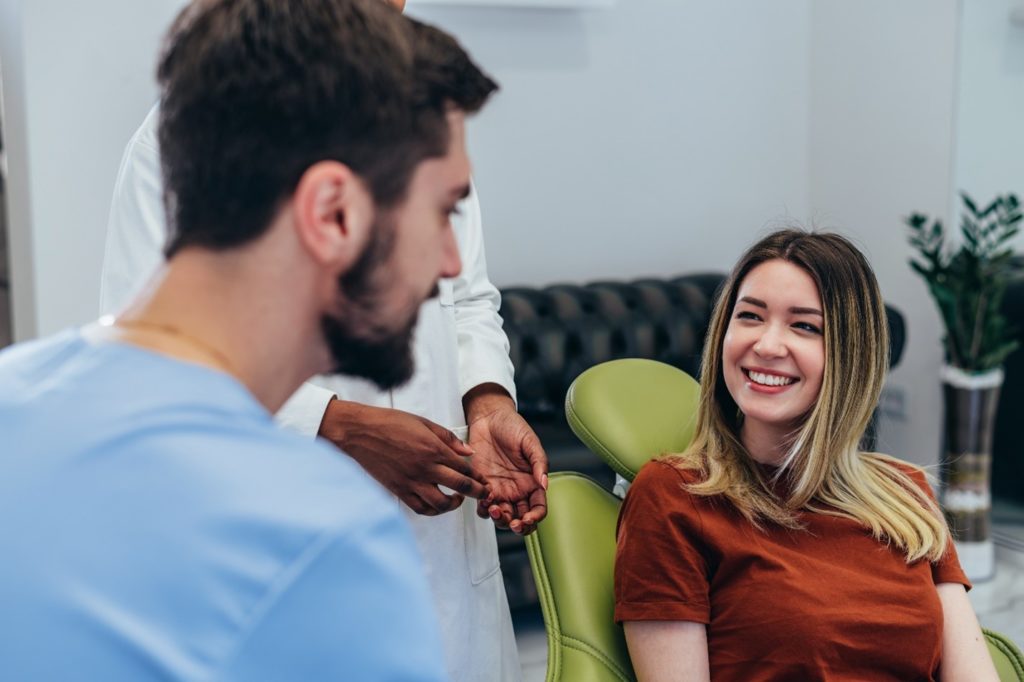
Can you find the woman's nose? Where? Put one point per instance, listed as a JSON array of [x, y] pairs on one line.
[[771, 344]]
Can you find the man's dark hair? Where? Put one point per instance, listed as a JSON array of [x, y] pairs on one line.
[[254, 92]]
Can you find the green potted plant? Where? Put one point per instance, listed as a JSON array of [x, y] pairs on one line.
[[968, 283]]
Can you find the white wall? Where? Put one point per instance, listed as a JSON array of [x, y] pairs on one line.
[[77, 80], [882, 101], [989, 156], [651, 137]]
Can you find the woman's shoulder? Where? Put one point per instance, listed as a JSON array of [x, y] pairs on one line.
[[658, 499], [666, 470], [663, 478]]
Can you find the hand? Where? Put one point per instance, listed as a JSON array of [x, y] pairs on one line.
[[510, 455], [407, 454]]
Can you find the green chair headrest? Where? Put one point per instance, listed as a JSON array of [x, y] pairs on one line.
[[628, 411]]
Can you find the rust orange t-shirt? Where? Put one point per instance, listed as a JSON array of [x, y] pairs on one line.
[[826, 603]]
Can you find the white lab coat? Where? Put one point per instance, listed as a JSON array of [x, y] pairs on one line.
[[458, 344]]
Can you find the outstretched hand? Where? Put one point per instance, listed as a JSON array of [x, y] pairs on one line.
[[510, 456], [407, 454]]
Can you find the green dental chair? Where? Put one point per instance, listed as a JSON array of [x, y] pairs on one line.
[[626, 412]]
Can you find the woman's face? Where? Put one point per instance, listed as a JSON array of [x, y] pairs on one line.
[[773, 356]]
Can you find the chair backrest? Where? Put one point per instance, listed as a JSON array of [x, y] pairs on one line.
[[1007, 657], [572, 554], [626, 412]]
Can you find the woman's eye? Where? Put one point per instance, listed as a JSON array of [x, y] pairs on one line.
[[747, 315], [807, 327]]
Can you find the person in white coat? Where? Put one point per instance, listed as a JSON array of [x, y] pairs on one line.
[[409, 439]]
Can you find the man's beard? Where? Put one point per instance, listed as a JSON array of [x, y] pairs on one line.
[[360, 344]]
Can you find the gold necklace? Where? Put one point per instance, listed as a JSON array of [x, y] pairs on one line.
[[220, 359]]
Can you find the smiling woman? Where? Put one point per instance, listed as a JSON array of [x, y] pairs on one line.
[[774, 548]]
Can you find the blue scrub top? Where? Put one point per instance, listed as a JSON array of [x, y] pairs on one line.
[[156, 524]]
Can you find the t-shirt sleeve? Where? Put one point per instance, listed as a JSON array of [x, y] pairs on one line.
[[947, 569], [660, 571], [356, 608]]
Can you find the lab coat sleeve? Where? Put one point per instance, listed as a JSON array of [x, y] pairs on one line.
[[483, 345], [136, 230], [136, 233], [305, 409]]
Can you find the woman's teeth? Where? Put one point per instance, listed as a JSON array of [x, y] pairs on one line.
[[769, 379]]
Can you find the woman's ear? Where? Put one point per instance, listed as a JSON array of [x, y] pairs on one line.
[[333, 213]]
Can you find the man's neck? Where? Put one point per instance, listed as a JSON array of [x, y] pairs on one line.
[[226, 312]]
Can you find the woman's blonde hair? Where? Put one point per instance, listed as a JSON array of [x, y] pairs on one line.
[[824, 469]]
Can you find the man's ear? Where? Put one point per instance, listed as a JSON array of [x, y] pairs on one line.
[[333, 212]]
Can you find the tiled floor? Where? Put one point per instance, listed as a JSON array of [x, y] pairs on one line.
[[533, 646], [999, 602]]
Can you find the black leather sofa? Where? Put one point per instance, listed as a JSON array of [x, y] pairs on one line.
[[557, 332]]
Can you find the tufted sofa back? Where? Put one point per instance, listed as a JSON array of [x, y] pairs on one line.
[[558, 331]]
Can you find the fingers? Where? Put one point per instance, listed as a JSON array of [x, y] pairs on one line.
[[430, 501], [458, 474], [449, 456], [461, 483], [521, 508], [443, 503], [501, 514], [529, 514], [528, 523], [449, 438], [537, 512]]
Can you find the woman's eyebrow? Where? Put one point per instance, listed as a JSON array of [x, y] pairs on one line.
[[796, 310], [754, 301]]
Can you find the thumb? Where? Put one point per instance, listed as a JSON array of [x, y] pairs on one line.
[[538, 460]]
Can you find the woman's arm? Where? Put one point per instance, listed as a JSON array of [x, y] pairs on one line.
[[668, 651], [964, 652]]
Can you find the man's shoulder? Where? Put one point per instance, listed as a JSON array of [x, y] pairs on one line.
[[258, 467], [327, 476], [159, 422], [30, 369], [28, 356]]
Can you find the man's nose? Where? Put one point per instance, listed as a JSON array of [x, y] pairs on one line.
[[451, 262]]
